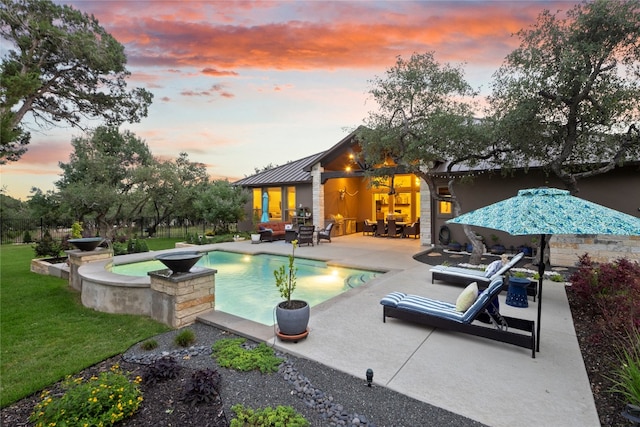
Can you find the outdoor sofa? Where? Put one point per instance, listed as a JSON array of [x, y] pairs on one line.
[[444, 315], [270, 231]]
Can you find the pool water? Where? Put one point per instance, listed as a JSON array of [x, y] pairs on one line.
[[245, 285]]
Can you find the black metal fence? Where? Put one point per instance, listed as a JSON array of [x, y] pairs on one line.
[[25, 230]]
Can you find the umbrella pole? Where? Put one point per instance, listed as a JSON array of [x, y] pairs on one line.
[[541, 266]]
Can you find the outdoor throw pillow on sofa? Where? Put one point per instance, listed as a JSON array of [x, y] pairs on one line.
[[467, 297]]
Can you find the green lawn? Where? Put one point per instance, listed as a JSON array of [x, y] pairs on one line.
[[46, 333]]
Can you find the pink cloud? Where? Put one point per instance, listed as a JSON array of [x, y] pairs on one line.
[[214, 72], [317, 35]]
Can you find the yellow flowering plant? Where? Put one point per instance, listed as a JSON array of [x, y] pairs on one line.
[[101, 400]]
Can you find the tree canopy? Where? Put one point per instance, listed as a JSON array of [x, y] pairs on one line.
[[423, 107], [103, 177], [425, 118], [222, 204], [173, 186], [63, 67], [567, 97]]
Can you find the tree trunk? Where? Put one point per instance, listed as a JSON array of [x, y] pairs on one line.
[[478, 246], [476, 242], [547, 251]]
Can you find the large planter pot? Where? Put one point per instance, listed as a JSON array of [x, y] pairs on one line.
[[498, 249], [293, 321], [455, 246]]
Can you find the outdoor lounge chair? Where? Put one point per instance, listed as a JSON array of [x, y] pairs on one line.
[[443, 315], [464, 276]]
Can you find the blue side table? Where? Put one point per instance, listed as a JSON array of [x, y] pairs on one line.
[[517, 292]]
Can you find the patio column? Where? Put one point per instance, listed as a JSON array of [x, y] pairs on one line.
[[426, 218], [317, 191]]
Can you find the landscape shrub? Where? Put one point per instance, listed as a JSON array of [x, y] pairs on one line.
[[203, 387], [136, 245], [626, 378], [280, 416], [47, 246], [164, 368], [230, 353], [76, 230], [195, 239], [99, 401], [185, 338], [609, 292], [149, 344], [26, 237]]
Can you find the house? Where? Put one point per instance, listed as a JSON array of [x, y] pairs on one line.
[[331, 187]]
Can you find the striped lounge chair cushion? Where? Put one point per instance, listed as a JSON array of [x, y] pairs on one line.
[[392, 299], [442, 309]]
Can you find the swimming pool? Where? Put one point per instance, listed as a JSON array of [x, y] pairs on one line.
[[245, 286]]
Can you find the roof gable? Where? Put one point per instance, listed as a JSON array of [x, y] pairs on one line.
[[295, 172]]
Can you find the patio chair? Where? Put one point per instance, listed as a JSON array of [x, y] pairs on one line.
[[392, 229], [368, 227], [305, 234], [444, 315], [325, 233], [412, 229], [464, 276], [381, 228]]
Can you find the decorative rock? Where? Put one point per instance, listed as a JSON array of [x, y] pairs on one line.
[[312, 397]]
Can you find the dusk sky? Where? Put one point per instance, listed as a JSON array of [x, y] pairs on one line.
[[240, 85]]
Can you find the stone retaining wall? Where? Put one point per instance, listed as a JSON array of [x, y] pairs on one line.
[[566, 249], [174, 299]]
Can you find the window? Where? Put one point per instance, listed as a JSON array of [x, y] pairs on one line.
[[291, 203], [444, 207]]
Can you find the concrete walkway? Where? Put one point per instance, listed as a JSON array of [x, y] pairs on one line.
[[494, 383]]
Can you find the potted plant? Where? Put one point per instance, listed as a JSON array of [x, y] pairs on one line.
[[455, 246], [255, 236], [292, 316], [497, 247]]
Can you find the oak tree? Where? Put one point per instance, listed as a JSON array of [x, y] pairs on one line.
[[567, 97], [62, 67]]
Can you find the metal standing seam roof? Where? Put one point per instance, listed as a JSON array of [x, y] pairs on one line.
[[291, 173]]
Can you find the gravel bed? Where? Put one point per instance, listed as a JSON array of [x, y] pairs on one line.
[[325, 396]]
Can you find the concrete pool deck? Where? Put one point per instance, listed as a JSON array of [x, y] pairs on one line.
[[494, 383]]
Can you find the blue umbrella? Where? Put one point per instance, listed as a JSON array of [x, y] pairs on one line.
[[549, 211], [265, 207]]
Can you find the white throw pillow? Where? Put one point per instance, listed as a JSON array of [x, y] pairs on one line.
[[467, 297]]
